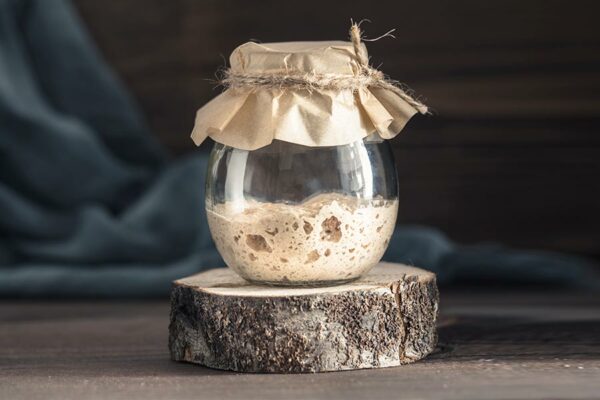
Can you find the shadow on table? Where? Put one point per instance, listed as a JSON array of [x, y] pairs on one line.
[[467, 338]]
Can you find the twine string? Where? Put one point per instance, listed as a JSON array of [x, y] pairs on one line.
[[366, 77]]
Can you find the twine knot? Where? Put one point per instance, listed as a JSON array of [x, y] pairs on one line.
[[366, 77]]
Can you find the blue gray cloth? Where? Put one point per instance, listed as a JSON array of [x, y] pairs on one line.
[[91, 206]]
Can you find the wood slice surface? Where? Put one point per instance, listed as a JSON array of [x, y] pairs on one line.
[[387, 318]]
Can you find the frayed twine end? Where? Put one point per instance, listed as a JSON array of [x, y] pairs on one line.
[[365, 78]]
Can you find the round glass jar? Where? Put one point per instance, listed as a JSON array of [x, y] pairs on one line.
[[292, 215]]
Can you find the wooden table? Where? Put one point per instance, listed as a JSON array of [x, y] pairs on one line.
[[492, 345]]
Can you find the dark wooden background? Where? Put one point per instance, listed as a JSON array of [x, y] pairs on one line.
[[513, 152]]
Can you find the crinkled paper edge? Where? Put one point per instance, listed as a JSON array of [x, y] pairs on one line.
[[378, 110]]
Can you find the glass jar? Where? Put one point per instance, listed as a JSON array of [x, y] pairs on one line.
[[288, 214]]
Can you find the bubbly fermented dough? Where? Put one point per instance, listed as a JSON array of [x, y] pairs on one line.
[[329, 238]]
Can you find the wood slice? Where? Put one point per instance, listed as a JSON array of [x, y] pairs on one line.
[[385, 319]]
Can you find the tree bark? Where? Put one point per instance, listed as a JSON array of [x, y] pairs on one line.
[[384, 319]]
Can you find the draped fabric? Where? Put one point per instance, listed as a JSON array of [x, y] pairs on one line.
[[91, 206]]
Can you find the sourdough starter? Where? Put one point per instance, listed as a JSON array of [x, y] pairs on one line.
[[329, 238]]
